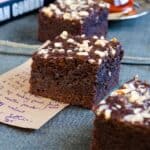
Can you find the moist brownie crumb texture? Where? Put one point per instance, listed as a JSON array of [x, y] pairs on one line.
[[76, 70], [123, 119], [77, 17]]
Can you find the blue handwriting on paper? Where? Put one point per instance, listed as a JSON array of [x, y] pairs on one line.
[[11, 118]]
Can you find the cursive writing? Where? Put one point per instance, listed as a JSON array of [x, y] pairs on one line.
[[11, 118]]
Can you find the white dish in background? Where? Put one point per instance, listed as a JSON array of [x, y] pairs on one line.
[[142, 8]]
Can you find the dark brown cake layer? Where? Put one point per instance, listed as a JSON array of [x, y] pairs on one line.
[[76, 70], [76, 17], [123, 119]]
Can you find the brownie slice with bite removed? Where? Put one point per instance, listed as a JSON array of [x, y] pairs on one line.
[[76, 69], [123, 119], [77, 17]]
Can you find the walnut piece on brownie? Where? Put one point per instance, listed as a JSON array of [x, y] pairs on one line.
[[123, 119], [76, 69], [77, 17]]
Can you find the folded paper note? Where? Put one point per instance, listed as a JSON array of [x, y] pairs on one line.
[[20, 108]]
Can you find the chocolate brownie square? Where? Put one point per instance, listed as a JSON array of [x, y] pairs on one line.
[[123, 119], [76, 69], [77, 17]]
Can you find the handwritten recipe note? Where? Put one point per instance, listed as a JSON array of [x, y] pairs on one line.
[[20, 108]]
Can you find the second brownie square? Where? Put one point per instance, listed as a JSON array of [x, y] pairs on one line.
[[122, 120], [76, 17]]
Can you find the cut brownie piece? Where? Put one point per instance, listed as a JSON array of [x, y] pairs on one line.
[[76, 70], [77, 17], [123, 119]]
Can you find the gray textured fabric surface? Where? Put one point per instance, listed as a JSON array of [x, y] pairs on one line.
[[70, 129]]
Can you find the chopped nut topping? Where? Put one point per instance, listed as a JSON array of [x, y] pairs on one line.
[[101, 109], [103, 101], [99, 61], [99, 53], [86, 41], [83, 13], [82, 53], [69, 51], [53, 6], [43, 51], [67, 16], [120, 92], [91, 61], [118, 106], [58, 12], [100, 43], [107, 114], [134, 118], [114, 40], [75, 15], [83, 36], [102, 38], [103, 4], [95, 37], [84, 46], [47, 12], [133, 96], [62, 51], [137, 110], [112, 51], [46, 56], [71, 41], [69, 57], [58, 44], [64, 35]]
